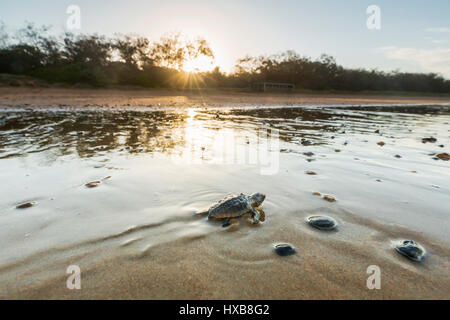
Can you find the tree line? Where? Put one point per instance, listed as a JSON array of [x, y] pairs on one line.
[[97, 60]]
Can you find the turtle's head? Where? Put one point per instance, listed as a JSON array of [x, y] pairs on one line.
[[256, 199]]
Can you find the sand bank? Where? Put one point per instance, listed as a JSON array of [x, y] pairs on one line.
[[44, 97]]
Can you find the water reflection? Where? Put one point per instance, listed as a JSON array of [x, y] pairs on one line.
[[200, 133]]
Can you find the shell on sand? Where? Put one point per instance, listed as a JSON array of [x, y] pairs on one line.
[[322, 222], [93, 184], [26, 205], [411, 250], [284, 249]]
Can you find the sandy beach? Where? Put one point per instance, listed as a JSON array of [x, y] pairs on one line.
[[189, 151], [238, 265], [136, 235], [54, 97]]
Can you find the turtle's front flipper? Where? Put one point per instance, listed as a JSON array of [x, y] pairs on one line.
[[262, 214], [255, 216]]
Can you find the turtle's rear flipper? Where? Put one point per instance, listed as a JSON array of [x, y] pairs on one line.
[[226, 223], [201, 213], [229, 222]]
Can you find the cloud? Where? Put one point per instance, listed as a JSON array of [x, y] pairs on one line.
[[440, 30], [439, 41], [435, 60]]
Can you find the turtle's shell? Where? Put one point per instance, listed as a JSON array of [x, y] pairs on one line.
[[230, 207]]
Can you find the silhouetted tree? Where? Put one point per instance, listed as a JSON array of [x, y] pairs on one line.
[[171, 51], [133, 60]]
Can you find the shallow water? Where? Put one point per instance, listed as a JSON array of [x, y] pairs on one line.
[[164, 165]]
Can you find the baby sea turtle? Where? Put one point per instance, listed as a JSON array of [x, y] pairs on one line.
[[411, 250], [284, 249], [235, 206], [322, 222]]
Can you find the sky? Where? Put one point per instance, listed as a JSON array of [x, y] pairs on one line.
[[414, 36]]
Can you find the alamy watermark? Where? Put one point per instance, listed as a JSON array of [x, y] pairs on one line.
[[74, 20], [260, 148], [374, 280], [74, 280], [374, 19]]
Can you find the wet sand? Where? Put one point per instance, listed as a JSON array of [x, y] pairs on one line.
[[136, 235], [54, 97], [241, 265]]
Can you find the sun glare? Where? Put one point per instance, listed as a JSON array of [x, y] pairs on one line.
[[199, 64]]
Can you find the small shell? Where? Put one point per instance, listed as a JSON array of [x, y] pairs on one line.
[[430, 140], [284, 249], [443, 156], [322, 222], [26, 205], [411, 250], [329, 198], [93, 184]]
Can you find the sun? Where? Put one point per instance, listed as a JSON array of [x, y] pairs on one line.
[[199, 64]]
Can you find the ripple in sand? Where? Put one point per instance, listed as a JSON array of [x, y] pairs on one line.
[[130, 242]]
